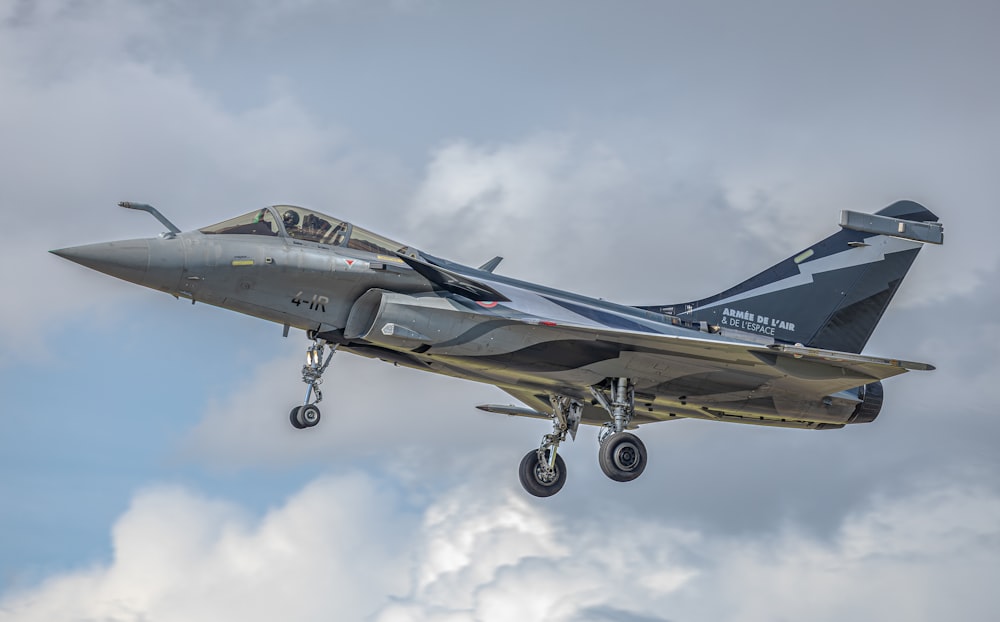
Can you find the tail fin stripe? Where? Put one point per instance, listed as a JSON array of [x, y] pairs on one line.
[[875, 251]]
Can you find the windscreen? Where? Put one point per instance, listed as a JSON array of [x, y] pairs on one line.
[[363, 240], [305, 224], [258, 222]]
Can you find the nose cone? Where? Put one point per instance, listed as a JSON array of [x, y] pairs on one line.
[[129, 260]]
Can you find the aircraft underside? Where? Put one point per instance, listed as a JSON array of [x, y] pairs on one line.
[[691, 392]]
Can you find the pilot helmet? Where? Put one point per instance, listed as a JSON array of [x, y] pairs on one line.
[[291, 218]]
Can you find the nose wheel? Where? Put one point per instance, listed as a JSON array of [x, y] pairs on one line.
[[307, 414], [303, 417]]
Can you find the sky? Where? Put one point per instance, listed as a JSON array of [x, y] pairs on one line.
[[643, 152]]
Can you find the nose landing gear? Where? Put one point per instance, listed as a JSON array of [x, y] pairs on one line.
[[307, 415]]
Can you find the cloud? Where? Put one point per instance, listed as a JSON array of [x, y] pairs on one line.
[[610, 215], [913, 556], [355, 547], [179, 555], [579, 213]]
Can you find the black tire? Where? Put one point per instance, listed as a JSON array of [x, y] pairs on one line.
[[308, 415], [622, 457], [531, 471], [293, 417]]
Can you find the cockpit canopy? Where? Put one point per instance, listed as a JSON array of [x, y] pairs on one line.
[[304, 224]]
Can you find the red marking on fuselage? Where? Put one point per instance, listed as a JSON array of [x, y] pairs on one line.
[[486, 305]]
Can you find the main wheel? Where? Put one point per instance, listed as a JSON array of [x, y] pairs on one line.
[[622, 457], [293, 417], [537, 479], [308, 415]]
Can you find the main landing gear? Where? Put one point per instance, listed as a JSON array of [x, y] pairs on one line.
[[307, 415], [542, 470], [622, 455]]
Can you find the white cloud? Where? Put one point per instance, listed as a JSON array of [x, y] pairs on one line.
[[180, 556], [345, 547], [515, 191]]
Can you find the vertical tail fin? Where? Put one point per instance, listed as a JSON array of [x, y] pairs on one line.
[[832, 294]]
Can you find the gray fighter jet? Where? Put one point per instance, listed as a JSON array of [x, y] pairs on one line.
[[780, 349]]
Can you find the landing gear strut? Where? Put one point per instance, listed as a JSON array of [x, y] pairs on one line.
[[622, 455], [307, 415], [542, 471]]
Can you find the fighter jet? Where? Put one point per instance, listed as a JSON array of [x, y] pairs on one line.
[[782, 348]]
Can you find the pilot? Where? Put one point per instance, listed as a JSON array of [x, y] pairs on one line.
[[291, 219]]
